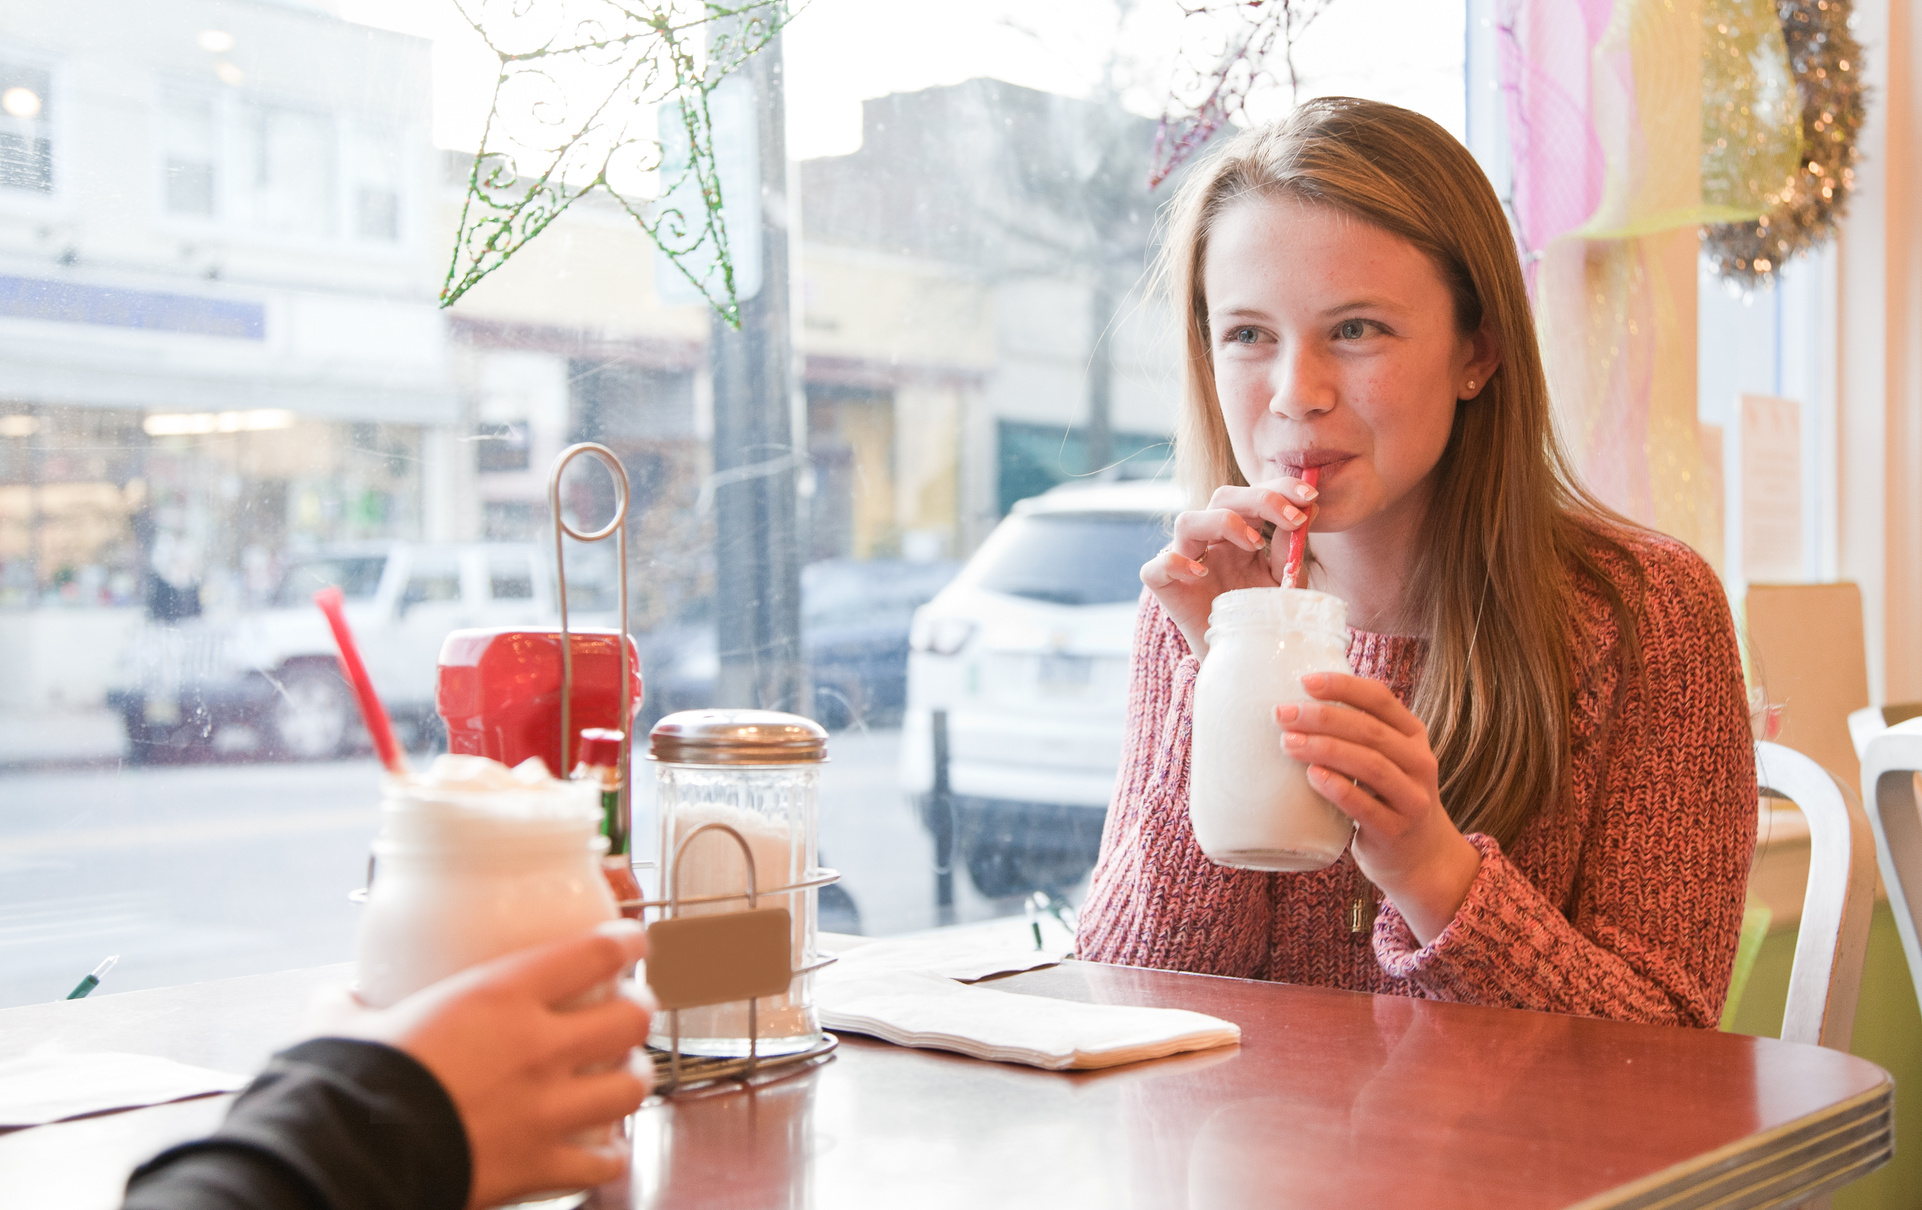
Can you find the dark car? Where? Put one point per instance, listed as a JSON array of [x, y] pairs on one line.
[[855, 616]]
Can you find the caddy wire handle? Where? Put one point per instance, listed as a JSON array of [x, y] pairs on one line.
[[674, 912], [733, 1069], [617, 527]]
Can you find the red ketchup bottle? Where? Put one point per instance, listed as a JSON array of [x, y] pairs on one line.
[[601, 764], [500, 692]]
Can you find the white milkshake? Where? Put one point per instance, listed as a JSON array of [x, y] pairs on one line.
[[1249, 801], [474, 861]]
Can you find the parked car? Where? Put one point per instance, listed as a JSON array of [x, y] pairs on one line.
[[267, 680], [1026, 655], [855, 615]]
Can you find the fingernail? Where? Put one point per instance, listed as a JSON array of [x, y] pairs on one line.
[[1304, 493], [1294, 514], [1293, 739], [1288, 712], [1317, 774], [1314, 680], [1200, 569]]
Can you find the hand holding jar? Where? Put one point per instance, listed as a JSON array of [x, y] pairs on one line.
[[1369, 755], [535, 1078]]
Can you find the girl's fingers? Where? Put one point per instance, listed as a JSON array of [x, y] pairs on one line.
[[1294, 489], [1389, 781], [1168, 568], [1197, 530], [1372, 697], [1264, 503], [1355, 726], [1353, 801]]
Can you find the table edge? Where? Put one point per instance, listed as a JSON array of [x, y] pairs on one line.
[[1849, 1139]]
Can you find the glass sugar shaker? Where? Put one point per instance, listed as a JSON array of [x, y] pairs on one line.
[[758, 772]]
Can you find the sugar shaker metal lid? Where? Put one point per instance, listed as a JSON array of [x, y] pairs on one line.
[[737, 737]]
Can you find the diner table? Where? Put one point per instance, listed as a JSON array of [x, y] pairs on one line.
[[1332, 1098]]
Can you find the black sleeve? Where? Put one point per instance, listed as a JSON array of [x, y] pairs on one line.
[[331, 1124]]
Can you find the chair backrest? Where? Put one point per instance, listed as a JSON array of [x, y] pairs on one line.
[[1892, 788], [1806, 644], [1870, 721], [1839, 901]]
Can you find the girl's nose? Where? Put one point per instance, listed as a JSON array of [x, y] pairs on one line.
[[1302, 383]]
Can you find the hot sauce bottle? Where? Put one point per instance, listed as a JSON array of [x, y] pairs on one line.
[[600, 762]]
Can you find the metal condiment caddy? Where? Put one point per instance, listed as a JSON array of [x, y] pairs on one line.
[[716, 958]]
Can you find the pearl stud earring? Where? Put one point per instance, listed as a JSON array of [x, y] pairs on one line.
[[1471, 384]]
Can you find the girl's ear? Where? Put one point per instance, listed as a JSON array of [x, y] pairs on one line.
[[1484, 358]]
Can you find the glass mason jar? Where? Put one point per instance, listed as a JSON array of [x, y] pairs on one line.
[[759, 773], [1249, 801], [464, 876]]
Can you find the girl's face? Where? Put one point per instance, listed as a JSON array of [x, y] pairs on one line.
[[1334, 346]]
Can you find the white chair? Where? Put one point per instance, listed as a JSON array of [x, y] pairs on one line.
[[1892, 788], [1870, 721], [1839, 901]]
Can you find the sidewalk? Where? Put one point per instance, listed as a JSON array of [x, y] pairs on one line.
[[69, 737]]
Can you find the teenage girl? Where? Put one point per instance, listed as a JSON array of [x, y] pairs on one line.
[[1544, 747]]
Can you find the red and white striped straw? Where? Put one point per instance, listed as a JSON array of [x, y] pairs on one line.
[[1298, 540]]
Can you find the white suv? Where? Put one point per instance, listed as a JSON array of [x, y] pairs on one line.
[[268, 681], [1025, 654]]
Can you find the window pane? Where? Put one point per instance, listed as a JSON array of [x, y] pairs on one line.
[[1070, 560], [287, 170], [189, 150], [26, 127], [358, 579], [225, 383]]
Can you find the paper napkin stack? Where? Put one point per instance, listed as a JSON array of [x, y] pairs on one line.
[[908, 993], [43, 1088]]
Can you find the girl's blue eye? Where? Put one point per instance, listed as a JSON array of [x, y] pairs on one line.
[[1246, 336], [1353, 329]]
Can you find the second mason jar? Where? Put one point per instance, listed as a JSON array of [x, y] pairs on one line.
[[1249, 801], [758, 772]]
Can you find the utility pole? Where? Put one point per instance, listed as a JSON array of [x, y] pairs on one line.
[[757, 453]]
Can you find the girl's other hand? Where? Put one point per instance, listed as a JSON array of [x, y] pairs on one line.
[[1374, 762], [1220, 548]]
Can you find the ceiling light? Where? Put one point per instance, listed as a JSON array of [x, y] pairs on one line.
[[229, 74], [18, 424], [215, 41], [20, 102]]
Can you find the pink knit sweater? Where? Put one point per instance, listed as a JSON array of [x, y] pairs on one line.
[[1622, 898]]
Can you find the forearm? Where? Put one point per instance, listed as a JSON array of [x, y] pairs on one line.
[[1509, 946], [335, 1123]]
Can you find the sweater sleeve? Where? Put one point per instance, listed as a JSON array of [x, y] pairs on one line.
[[1656, 905], [331, 1124], [1155, 899]]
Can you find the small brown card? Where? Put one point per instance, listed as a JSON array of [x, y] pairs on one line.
[[697, 960]]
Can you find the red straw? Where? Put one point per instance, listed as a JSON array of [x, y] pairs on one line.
[[1298, 540], [371, 711]]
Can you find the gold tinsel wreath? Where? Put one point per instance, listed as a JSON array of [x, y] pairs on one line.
[[1826, 63]]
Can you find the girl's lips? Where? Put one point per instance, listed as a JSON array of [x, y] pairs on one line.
[[1295, 462]]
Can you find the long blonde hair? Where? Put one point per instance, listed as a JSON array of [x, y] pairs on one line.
[[1508, 521]]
